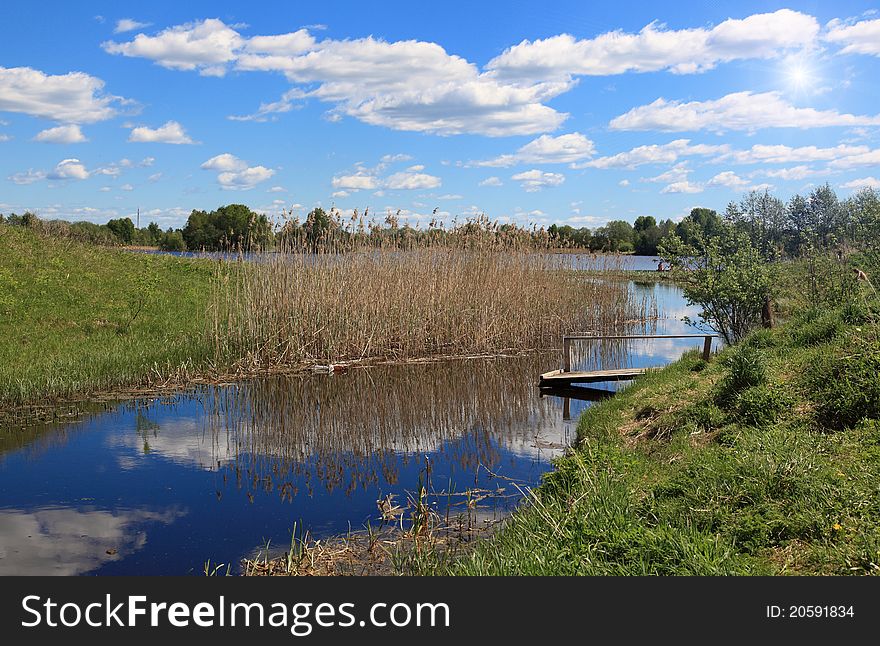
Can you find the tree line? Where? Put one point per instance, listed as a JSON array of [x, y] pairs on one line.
[[776, 228]]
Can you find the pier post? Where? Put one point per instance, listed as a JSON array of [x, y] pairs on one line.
[[566, 354], [707, 348]]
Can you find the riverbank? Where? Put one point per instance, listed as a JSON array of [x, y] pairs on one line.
[[763, 461], [79, 318]]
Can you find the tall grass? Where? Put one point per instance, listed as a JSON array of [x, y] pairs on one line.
[[463, 297]]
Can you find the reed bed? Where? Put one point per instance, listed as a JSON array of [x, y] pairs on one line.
[[302, 306]]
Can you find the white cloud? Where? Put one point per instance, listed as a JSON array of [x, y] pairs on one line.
[[206, 46], [69, 169], [781, 154], [737, 111], [27, 177], [491, 181], [728, 179], [127, 24], [411, 180], [404, 85], [682, 187], [126, 187], [399, 157], [269, 111], [69, 134], [655, 48], [623, 182], [546, 149], [75, 97], [857, 38], [677, 174], [4, 137], [235, 174], [224, 162], [864, 182], [793, 173], [277, 189], [169, 133], [340, 194], [356, 182], [155, 177], [536, 180], [654, 154], [450, 196], [867, 158]]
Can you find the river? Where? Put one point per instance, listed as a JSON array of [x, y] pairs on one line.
[[160, 486]]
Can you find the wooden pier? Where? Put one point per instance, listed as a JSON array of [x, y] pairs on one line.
[[566, 377]]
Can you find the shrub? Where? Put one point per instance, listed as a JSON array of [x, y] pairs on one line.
[[845, 389], [746, 368], [816, 327], [761, 339], [760, 405]]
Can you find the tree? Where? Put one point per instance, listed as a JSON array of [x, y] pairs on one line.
[[647, 235], [700, 223], [233, 226], [122, 228], [726, 276], [172, 240]]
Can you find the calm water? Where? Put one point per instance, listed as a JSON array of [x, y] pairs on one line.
[[161, 486], [573, 260]]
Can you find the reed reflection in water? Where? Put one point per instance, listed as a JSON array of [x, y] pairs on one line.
[[360, 428]]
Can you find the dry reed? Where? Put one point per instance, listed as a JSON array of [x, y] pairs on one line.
[[466, 296]]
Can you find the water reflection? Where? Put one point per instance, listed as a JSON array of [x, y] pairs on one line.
[[64, 541], [160, 486]]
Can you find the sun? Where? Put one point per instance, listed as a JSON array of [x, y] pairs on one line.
[[799, 75]]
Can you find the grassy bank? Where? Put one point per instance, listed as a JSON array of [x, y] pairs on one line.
[[76, 317], [763, 461]]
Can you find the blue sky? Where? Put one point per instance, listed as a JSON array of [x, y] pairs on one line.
[[568, 113]]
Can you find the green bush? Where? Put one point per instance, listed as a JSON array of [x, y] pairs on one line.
[[761, 339], [845, 388], [746, 368], [815, 327], [760, 405]]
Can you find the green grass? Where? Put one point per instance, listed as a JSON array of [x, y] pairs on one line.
[[77, 318], [766, 460]]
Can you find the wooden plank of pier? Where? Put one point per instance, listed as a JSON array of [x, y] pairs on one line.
[[560, 377]]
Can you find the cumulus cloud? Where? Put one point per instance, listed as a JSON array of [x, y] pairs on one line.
[[27, 177], [536, 180], [234, 174], [403, 85], [546, 149], [867, 158], [69, 169], [682, 187], [169, 133], [69, 134], [782, 154], [793, 173], [205, 46], [654, 48], [411, 180], [737, 111], [864, 182], [728, 179], [492, 181], [75, 97], [355, 182], [856, 37], [654, 154], [127, 24]]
